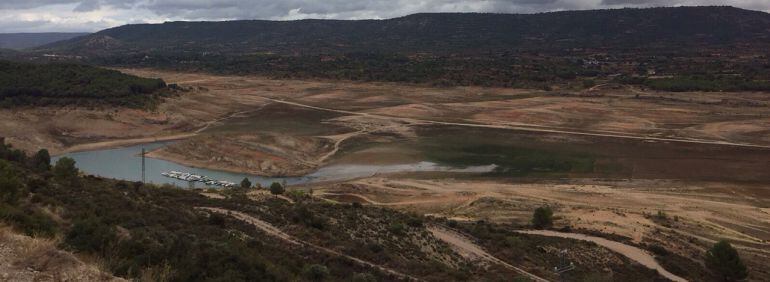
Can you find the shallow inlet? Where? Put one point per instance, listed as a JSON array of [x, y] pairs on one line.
[[125, 163]]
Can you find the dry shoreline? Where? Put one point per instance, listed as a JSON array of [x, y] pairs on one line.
[[157, 154], [120, 143]]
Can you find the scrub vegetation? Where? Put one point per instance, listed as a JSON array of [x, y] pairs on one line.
[[24, 84]]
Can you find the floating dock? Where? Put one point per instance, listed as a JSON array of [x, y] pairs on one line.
[[197, 178]]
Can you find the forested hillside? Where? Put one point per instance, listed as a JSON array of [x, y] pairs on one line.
[[569, 49], [440, 33], [23, 84]]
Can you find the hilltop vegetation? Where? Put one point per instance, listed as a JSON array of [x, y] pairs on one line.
[[438, 33], [502, 50], [702, 83], [23, 84]]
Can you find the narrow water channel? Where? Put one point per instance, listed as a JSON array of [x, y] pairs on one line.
[[125, 163]]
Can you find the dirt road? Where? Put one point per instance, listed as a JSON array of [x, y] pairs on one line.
[[530, 128], [467, 248], [125, 142], [631, 252], [271, 230]]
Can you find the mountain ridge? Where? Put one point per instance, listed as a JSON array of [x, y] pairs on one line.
[[443, 32], [19, 41]]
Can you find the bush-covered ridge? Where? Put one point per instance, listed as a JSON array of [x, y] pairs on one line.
[[454, 49], [158, 233], [23, 84], [439, 33]]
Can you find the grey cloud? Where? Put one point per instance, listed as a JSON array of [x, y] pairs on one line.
[[632, 2], [87, 6], [134, 11], [26, 4]]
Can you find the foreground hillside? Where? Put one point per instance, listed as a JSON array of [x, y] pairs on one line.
[[168, 234]]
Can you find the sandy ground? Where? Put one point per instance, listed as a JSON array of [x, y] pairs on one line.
[[731, 117], [369, 110], [713, 117], [696, 214], [258, 154]]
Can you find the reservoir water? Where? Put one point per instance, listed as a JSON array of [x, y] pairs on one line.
[[125, 163]]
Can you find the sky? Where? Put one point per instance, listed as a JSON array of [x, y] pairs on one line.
[[95, 15]]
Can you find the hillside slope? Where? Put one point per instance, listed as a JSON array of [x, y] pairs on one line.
[[439, 33], [30, 40], [150, 233], [24, 258]]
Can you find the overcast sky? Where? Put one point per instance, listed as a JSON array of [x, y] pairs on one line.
[[94, 15]]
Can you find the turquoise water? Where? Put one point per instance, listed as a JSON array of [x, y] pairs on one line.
[[125, 163]]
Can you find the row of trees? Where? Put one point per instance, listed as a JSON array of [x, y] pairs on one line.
[[707, 83], [275, 188]]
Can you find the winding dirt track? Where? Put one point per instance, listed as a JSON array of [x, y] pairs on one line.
[[532, 128], [467, 248], [273, 231], [631, 252], [338, 139], [124, 142]]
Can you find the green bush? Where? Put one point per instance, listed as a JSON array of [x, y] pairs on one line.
[[397, 228], [724, 261], [276, 188], [90, 235], [245, 183], [315, 272], [217, 219], [11, 188], [414, 221], [41, 161], [658, 250], [65, 168], [543, 217], [29, 221]]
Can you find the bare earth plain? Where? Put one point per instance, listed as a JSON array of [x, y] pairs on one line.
[[676, 170]]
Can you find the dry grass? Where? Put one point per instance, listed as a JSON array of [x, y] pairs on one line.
[[24, 258]]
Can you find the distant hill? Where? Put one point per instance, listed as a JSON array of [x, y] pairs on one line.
[[20, 41], [440, 33], [4, 52], [719, 45]]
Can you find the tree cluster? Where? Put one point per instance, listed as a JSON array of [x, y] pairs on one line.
[[24, 84]]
